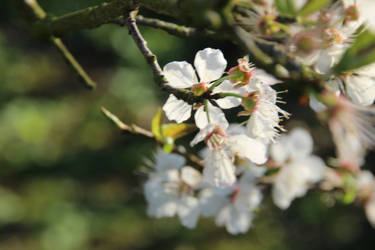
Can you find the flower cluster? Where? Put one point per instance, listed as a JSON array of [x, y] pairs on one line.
[[231, 191], [241, 158]]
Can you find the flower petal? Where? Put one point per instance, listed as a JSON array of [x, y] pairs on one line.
[[229, 101], [191, 176], [301, 143], [188, 211], [216, 115], [247, 147], [211, 202], [370, 209], [203, 133], [210, 64], [361, 89], [176, 109], [180, 74], [219, 169]]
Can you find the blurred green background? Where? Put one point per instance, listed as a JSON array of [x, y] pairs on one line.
[[70, 181]]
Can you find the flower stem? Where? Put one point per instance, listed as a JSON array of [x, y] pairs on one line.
[[205, 103], [218, 82], [225, 94]]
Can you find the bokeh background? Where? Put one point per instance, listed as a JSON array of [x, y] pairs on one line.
[[69, 180]]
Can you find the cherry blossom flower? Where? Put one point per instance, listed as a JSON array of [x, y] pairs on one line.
[[298, 167], [261, 105], [352, 129], [234, 207], [219, 168], [170, 189], [210, 65]]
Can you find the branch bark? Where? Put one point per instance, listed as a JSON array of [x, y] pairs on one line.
[[34, 13], [136, 130]]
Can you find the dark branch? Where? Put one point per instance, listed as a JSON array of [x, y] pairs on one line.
[[34, 13]]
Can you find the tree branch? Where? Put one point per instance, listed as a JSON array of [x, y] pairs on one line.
[[136, 130], [34, 13], [151, 59], [171, 28]]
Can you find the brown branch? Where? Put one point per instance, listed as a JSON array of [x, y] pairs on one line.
[[136, 130], [34, 13], [171, 28]]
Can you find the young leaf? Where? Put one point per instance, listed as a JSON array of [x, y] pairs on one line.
[[177, 130], [286, 7], [156, 125], [361, 53], [168, 145], [312, 6]]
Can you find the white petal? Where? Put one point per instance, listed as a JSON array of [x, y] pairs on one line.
[[188, 211], [264, 77], [370, 209], [180, 74], [229, 101], [176, 109], [191, 176], [219, 169], [316, 105], [325, 63], [249, 148], [164, 161], [279, 151], [203, 133], [235, 221], [301, 143], [211, 202], [216, 117], [210, 64], [160, 204], [361, 89]]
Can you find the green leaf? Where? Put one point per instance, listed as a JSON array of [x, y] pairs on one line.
[[286, 7], [177, 130], [312, 6], [168, 145], [156, 125], [361, 53]]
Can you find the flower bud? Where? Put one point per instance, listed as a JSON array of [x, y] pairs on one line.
[[351, 13], [241, 74]]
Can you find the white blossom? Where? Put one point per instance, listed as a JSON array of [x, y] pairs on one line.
[[298, 167], [210, 65], [219, 168], [265, 117], [170, 189], [234, 207]]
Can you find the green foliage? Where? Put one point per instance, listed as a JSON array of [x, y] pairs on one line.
[[286, 7], [361, 53], [168, 133], [312, 6]]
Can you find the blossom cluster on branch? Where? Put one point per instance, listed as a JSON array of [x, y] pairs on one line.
[[240, 159], [324, 48]]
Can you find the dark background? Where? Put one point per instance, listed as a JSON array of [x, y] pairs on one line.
[[69, 180]]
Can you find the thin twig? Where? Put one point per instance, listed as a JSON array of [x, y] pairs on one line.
[[171, 28], [35, 13], [136, 130]]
